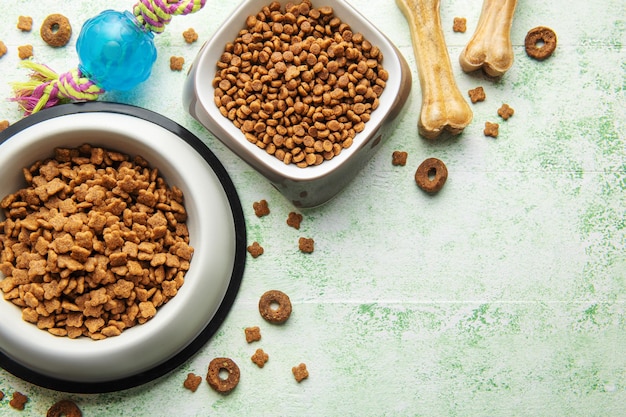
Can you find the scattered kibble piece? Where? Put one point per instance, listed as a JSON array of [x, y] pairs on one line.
[[18, 401], [3, 49], [460, 24], [491, 129], [261, 208], [176, 63], [192, 382], [477, 94], [3, 124], [190, 35], [253, 334], [294, 220], [65, 408], [25, 51], [255, 250], [25, 23], [259, 358], [399, 158], [306, 245], [506, 111], [300, 372]]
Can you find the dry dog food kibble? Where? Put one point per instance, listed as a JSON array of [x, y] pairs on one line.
[[255, 250], [505, 111], [176, 63], [491, 129], [192, 382], [25, 51], [214, 379], [300, 372], [56, 30], [460, 24], [399, 158], [306, 245], [94, 245], [261, 208], [253, 334], [299, 83], [477, 94], [18, 401], [190, 35], [272, 298], [540, 42], [25, 23], [294, 219], [64, 408], [3, 125], [259, 358], [431, 175]]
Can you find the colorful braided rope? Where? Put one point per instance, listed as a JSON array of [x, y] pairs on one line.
[[156, 14], [46, 88]]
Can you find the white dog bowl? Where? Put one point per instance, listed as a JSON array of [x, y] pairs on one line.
[[314, 185], [217, 233]]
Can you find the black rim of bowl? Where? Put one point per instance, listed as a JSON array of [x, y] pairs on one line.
[[195, 345]]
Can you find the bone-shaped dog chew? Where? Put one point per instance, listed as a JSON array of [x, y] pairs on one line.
[[490, 47], [443, 106]]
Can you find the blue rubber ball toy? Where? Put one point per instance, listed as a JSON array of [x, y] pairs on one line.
[[114, 51]]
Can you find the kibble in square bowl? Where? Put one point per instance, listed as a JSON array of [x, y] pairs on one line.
[[90, 192], [304, 92]]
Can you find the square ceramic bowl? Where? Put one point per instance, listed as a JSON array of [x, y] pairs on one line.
[[314, 185], [216, 232]]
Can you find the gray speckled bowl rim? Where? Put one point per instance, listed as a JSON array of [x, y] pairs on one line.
[[195, 345]]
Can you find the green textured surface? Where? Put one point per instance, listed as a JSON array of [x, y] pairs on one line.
[[504, 295]]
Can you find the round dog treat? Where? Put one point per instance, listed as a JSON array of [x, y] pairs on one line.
[[64, 408], [56, 30], [540, 42], [223, 386], [431, 175], [278, 315]]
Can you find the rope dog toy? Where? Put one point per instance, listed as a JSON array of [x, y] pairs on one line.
[[116, 52]]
